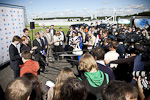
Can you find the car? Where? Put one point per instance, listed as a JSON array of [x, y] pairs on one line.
[[103, 26], [77, 25]]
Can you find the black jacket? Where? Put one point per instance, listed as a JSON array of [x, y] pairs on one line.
[[54, 31], [46, 42], [15, 59], [36, 43], [23, 48]]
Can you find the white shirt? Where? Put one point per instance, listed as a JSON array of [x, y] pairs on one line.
[[18, 47], [101, 62], [43, 39], [61, 34], [27, 37], [111, 56], [59, 38], [52, 31], [14, 44]]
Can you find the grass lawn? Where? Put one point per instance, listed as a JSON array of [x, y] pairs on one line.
[[37, 30], [36, 25]]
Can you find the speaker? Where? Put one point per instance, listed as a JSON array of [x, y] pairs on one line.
[[32, 26]]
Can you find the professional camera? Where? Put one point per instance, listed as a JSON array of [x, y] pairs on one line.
[[142, 74]]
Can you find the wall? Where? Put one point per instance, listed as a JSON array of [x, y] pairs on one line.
[[11, 24]]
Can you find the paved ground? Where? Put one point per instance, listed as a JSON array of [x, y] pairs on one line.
[[6, 74]]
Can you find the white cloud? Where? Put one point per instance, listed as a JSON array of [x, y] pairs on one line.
[[30, 2], [70, 2], [142, 6], [67, 10], [106, 2], [84, 8], [146, 10]]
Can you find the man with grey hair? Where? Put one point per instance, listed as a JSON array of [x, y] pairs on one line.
[[44, 40], [49, 38]]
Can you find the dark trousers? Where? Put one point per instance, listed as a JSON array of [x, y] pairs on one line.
[[58, 49], [16, 73]]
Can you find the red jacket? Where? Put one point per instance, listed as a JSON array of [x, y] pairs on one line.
[[29, 66]]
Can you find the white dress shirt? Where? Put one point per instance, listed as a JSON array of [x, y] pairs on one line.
[[39, 41]]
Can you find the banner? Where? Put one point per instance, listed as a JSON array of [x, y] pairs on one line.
[[11, 24]]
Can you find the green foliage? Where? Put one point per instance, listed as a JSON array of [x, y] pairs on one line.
[[37, 30]]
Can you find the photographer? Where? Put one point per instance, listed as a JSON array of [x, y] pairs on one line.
[[141, 92]]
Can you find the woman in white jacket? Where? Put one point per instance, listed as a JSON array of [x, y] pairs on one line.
[[58, 42]]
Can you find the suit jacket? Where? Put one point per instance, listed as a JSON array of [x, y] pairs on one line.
[[68, 37], [64, 37], [36, 43], [53, 31], [15, 59], [23, 48], [49, 39], [46, 42]]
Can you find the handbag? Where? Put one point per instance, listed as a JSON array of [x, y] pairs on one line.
[[77, 50]]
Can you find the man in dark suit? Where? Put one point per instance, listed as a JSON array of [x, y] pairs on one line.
[[69, 34], [40, 46], [44, 40], [52, 30], [15, 59], [26, 33], [38, 42]]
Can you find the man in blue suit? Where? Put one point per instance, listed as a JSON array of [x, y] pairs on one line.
[[15, 59], [52, 30]]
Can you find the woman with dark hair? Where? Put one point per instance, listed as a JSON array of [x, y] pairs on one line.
[[61, 77], [73, 41], [37, 92], [73, 89]]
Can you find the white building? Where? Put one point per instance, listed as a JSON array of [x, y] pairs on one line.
[[93, 16]]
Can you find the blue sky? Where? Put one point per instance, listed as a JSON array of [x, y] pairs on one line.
[[68, 8]]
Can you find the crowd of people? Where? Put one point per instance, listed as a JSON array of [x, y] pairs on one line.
[[98, 77]]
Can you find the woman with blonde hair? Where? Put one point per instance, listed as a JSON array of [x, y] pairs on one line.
[[58, 42], [54, 92], [93, 78]]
